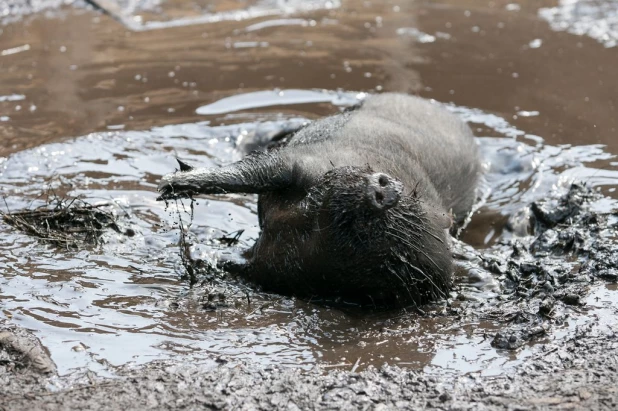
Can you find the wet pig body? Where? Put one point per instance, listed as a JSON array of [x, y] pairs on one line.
[[356, 205]]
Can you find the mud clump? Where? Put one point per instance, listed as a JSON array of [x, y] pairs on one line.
[[546, 275], [20, 352], [66, 222]]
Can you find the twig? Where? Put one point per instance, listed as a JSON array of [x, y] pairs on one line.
[[356, 365]]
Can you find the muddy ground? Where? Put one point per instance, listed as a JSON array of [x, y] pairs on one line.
[[96, 100], [575, 375], [577, 372]]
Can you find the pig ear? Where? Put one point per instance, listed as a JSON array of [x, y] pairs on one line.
[[184, 166], [446, 220]]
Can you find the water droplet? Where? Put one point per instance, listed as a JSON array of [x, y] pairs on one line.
[[535, 44]]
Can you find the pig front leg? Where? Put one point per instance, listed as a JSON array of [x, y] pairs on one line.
[[257, 173]]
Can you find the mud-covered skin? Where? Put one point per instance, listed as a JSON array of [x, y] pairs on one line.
[[355, 205]]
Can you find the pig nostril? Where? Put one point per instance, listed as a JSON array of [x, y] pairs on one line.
[[382, 191], [379, 198]]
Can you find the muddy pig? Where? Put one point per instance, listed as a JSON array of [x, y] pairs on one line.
[[355, 206]]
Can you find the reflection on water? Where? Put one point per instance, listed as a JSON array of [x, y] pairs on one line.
[[269, 98], [212, 12], [595, 18]]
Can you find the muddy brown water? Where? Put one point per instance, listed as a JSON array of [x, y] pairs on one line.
[[98, 105]]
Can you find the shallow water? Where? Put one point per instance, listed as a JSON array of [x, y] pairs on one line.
[[541, 102]]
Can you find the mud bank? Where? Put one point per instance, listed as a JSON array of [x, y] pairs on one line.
[[577, 374]]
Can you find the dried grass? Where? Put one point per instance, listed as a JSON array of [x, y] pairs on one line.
[[65, 222]]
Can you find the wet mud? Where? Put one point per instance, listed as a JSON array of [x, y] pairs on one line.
[[97, 100]]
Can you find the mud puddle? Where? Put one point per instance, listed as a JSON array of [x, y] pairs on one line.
[[125, 303], [140, 97]]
